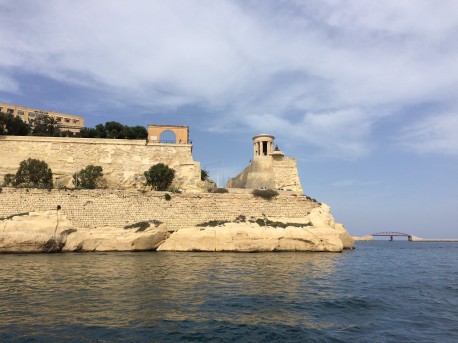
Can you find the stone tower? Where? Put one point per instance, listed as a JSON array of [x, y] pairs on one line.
[[268, 169]]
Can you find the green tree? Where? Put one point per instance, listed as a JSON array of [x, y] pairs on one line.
[[88, 177], [127, 132], [67, 133], [44, 125], [100, 131], [140, 132], [33, 173], [12, 125], [114, 129], [159, 177], [86, 132]]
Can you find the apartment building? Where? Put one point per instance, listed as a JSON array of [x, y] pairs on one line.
[[65, 121]]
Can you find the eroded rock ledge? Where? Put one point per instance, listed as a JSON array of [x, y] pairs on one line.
[[51, 231]]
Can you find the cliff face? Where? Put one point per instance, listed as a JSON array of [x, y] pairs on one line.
[[52, 231], [253, 238], [315, 232]]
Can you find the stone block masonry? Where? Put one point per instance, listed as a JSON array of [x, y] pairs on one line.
[[266, 172], [123, 161], [118, 208], [285, 174]]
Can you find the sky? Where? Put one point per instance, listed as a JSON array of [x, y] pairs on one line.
[[363, 93]]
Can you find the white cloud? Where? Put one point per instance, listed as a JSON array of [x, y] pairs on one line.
[[322, 72], [342, 133], [436, 134], [8, 84]]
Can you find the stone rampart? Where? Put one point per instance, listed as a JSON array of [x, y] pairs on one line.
[[286, 175], [118, 208], [123, 161], [268, 172]]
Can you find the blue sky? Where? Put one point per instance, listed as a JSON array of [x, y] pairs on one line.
[[362, 93]]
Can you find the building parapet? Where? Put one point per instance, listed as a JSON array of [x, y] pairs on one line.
[[98, 141]]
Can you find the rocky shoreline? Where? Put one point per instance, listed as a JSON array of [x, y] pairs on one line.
[[52, 231]]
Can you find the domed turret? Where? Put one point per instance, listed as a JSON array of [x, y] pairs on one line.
[[263, 145]]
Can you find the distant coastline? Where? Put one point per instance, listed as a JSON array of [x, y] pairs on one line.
[[435, 240], [370, 238]]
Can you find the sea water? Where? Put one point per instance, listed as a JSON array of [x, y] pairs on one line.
[[380, 292]]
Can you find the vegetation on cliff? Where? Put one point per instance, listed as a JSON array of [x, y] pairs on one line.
[[260, 221], [143, 225], [213, 223]]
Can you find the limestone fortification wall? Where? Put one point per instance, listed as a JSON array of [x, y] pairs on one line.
[[258, 174], [269, 172], [286, 175], [123, 161], [118, 208]]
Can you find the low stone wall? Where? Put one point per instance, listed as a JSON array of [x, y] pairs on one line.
[[96, 208]]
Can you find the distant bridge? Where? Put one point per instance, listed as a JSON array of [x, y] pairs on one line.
[[392, 234]]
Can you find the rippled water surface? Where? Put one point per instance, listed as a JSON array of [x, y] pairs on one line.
[[380, 292]]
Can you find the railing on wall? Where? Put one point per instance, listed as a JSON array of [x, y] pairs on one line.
[[170, 142]]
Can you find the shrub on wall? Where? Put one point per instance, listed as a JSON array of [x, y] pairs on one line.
[[9, 180], [88, 177], [159, 177], [33, 173], [220, 190], [267, 194], [204, 174]]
